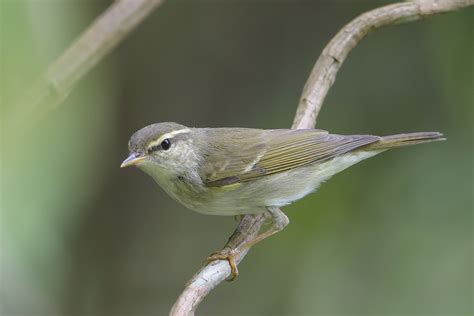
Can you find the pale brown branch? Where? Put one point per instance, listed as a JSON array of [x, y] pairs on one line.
[[103, 35], [211, 275], [335, 53], [315, 90]]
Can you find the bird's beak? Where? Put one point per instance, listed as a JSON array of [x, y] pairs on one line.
[[132, 160]]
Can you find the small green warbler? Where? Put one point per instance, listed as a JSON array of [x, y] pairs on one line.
[[236, 171]]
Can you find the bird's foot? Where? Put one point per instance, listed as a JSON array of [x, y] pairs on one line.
[[226, 254]]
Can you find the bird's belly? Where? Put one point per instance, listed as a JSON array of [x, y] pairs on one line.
[[255, 196], [279, 189]]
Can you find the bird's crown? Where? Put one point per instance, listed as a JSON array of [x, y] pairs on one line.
[[152, 135]]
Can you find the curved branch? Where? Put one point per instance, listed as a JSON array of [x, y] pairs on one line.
[[315, 90], [325, 70], [211, 275]]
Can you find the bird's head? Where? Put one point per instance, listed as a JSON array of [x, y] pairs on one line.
[[162, 147]]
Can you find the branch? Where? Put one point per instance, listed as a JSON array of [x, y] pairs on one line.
[[315, 90], [210, 276], [101, 37], [324, 72]]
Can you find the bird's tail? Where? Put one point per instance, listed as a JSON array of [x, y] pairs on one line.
[[399, 140]]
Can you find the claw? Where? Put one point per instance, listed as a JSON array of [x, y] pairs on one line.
[[225, 254]]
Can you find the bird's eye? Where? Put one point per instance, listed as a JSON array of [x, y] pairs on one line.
[[166, 144]]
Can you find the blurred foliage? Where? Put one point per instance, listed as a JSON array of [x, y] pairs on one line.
[[390, 236]]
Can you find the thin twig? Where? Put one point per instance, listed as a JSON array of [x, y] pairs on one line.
[[315, 90], [101, 37]]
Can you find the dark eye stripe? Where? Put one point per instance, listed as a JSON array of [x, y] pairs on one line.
[[153, 149], [165, 145]]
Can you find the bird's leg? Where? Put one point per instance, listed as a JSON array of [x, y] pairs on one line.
[[279, 221]]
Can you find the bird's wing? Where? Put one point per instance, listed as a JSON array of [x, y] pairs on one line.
[[273, 151]]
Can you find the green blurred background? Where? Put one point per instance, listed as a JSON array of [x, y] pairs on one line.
[[392, 235]]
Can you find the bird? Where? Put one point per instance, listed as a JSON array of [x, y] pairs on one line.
[[238, 171]]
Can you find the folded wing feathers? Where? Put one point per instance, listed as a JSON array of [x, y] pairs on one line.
[[285, 150]]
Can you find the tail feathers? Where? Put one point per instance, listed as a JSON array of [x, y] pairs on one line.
[[399, 140]]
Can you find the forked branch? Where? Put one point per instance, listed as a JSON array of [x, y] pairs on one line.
[[315, 90]]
